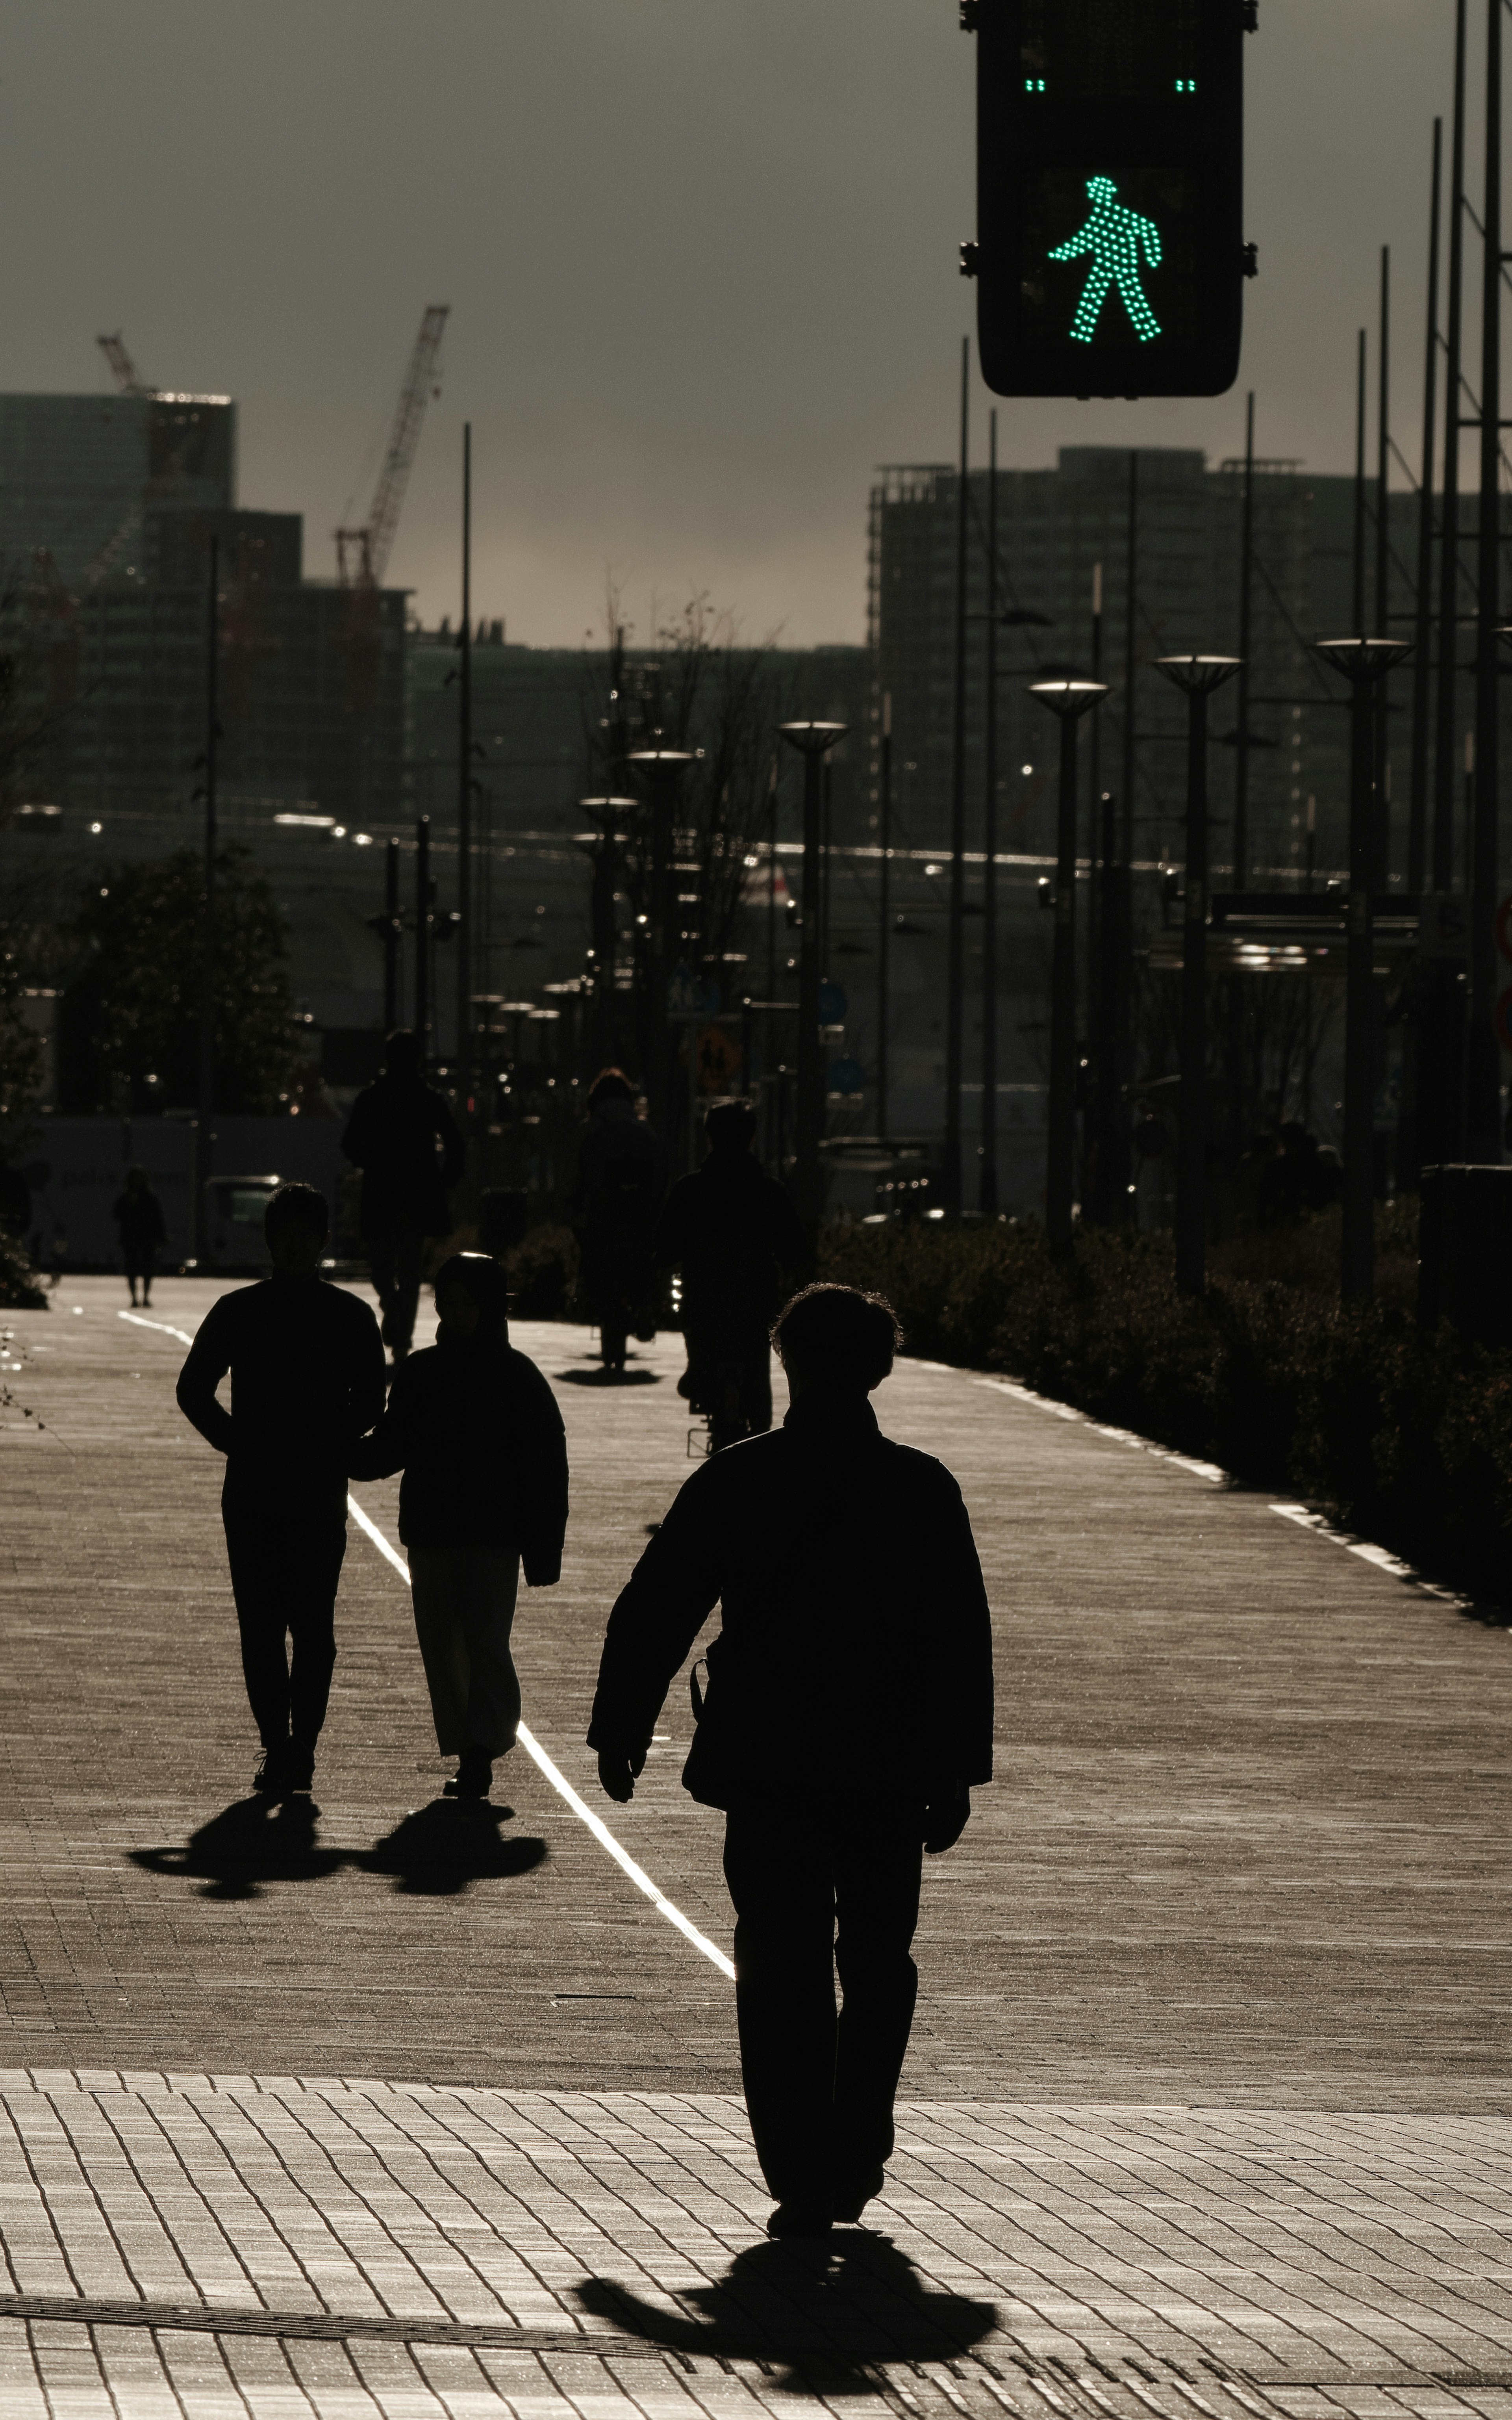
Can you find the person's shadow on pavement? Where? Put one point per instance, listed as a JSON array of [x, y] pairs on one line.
[[601, 1377], [844, 2299], [255, 1840], [439, 1849]]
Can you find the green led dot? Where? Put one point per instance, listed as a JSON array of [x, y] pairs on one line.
[[1116, 238]]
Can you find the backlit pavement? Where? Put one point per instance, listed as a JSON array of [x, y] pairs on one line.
[[394, 2112]]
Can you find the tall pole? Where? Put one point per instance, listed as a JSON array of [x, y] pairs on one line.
[[813, 741], [1482, 1069], [950, 1173], [885, 915], [1131, 610], [1069, 700], [1359, 610], [203, 1135], [662, 769], [987, 1196], [464, 782], [1417, 825], [1382, 877], [1445, 780], [423, 934], [392, 933], [1247, 605]]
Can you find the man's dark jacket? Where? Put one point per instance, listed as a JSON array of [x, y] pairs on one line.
[[306, 1365], [855, 1652], [475, 1429], [732, 1229], [391, 1135]]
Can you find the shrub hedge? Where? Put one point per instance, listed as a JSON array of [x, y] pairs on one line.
[[19, 1288], [1403, 1436]]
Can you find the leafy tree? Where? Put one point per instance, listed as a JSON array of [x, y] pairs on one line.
[[131, 1017], [21, 1049]]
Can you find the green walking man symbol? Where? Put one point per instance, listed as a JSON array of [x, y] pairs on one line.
[[1115, 237]]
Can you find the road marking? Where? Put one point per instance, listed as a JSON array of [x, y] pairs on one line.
[[1368, 1553], [528, 1743], [1208, 1470], [565, 1790]]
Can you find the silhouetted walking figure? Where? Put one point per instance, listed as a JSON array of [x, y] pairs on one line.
[[404, 1139], [734, 1234], [475, 1429], [849, 1709], [139, 1222], [306, 1379], [622, 1175]]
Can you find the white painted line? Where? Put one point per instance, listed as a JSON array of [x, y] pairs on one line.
[[565, 1790], [1208, 1470], [1368, 1552], [528, 1743], [161, 1325]]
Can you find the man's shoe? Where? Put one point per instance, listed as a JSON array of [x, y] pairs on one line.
[[798, 2219], [272, 1777], [474, 1775], [851, 2199], [298, 1767]]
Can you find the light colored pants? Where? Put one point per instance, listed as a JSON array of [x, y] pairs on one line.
[[464, 1599]]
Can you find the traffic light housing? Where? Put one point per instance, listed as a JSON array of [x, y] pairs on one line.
[[1110, 255]]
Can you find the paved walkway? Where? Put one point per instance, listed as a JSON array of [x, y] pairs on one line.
[[388, 2113]]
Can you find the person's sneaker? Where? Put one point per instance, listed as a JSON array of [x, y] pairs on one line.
[[474, 1775], [271, 1776], [798, 2219], [851, 2199]]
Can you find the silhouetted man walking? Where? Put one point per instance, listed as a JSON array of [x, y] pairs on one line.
[[307, 1379], [622, 1175], [404, 1139], [733, 1232], [849, 1711]]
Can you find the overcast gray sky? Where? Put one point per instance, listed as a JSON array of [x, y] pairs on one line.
[[700, 254]]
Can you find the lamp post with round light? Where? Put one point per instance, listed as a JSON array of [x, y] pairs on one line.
[[814, 742], [1363, 662], [1068, 700], [1196, 677], [662, 769]]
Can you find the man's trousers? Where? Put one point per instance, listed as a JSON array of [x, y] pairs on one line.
[[820, 2088], [394, 1259], [285, 1563]]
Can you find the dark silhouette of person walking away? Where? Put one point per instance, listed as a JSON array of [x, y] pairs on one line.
[[404, 1139], [849, 1712], [139, 1222], [622, 1175], [307, 1378], [734, 1234], [475, 1429]]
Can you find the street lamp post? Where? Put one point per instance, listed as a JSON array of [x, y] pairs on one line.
[[1363, 662], [814, 742], [202, 1149], [1069, 700], [1197, 676], [606, 814], [662, 769]]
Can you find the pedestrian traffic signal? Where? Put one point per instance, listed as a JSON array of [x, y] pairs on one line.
[[1110, 253]]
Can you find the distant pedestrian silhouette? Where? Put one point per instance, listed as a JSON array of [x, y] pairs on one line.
[[475, 1429], [139, 1222], [622, 1175], [849, 1709], [306, 1379], [734, 1234], [404, 1139]]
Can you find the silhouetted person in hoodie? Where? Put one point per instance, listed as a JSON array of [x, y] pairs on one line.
[[404, 1139], [734, 1234], [307, 1375], [622, 1175], [849, 1711], [475, 1429]]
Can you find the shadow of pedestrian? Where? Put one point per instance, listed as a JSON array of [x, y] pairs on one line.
[[829, 2306], [254, 1842], [439, 1849], [611, 1377]]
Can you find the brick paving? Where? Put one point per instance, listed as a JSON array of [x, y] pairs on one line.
[[1209, 2088]]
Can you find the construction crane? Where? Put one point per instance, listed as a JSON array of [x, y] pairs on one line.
[[362, 554], [123, 368]]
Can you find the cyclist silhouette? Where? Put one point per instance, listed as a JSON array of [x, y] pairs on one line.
[[1115, 237]]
